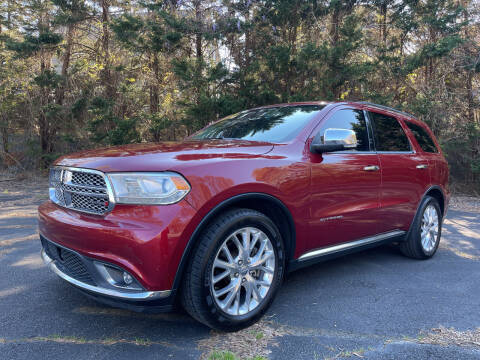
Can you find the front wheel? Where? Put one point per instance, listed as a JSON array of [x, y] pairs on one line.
[[424, 236], [235, 270]]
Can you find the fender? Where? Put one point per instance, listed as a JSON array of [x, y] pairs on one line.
[[193, 239], [433, 187]]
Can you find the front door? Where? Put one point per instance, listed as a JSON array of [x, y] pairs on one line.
[[344, 185]]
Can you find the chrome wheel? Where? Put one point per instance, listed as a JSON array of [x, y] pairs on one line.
[[242, 271], [429, 228]]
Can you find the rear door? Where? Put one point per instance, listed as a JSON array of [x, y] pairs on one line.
[[345, 185], [404, 175], [436, 163]]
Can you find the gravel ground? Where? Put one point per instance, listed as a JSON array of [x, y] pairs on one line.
[[373, 305]]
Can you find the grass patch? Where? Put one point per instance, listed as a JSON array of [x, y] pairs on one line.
[[222, 355], [227, 355], [64, 338], [444, 336], [142, 342], [253, 343]]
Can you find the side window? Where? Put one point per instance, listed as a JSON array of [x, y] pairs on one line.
[[422, 137], [352, 120], [389, 135]]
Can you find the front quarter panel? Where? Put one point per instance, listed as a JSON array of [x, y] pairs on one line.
[[278, 175]]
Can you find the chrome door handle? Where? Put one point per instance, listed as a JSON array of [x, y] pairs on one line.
[[422, 166], [371, 168]]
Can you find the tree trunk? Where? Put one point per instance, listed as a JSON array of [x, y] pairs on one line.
[[154, 88], [47, 132], [5, 138], [43, 121], [334, 26], [9, 14], [383, 24], [198, 52], [198, 35], [107, 75], [66, 64], [470, 97]]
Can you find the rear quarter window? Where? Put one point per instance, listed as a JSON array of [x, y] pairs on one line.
[[423, 137]]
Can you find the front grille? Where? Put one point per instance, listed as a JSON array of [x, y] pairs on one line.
[[89, 179], [67, 262], [79, 189], [88, 203]]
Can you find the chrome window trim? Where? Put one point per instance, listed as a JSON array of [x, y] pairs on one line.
[[352, 152], [372, 152], [397, 152], [109, 188], [350, 245], [117, 294]]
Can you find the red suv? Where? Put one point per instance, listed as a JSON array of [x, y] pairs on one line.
[[216, 221]]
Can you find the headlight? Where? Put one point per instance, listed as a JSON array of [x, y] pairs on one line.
[[148, 188]]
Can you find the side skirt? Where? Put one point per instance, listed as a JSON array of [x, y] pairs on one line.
[[330, 252]]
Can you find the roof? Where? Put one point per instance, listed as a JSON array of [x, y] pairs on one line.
[[378, 106], [383, 107]]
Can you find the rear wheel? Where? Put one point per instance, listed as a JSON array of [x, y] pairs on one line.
[[424, 236], [235, 270]]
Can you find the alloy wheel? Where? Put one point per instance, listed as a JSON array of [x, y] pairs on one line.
[[243, 271], [429, 228]]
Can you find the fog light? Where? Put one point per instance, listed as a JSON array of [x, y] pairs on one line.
[[127, 278], [117, 277]]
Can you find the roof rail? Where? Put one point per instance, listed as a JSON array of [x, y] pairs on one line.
[[383, 107]]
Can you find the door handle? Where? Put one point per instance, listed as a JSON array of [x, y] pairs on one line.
[[422, 166], [371, 168]]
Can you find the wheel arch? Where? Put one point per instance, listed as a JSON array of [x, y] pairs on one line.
[[267, 204], [437, 193]]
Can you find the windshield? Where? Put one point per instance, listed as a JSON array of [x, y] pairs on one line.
[[275, 124]]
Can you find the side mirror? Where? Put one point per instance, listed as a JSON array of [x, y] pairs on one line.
[[334, 140]]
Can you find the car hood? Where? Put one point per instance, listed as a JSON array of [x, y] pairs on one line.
[[164, 156]]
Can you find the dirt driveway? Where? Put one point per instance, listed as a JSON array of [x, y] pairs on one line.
[[373, 305]]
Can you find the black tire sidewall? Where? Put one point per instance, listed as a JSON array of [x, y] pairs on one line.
[[215, 314]]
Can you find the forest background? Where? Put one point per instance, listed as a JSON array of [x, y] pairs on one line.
[[82, 74]]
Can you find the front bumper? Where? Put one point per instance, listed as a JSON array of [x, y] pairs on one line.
[[101, 290], [146, 241]]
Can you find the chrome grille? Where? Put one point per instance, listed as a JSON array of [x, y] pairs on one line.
[[85, 190], [80, 189], [83, 178], [97, 205]]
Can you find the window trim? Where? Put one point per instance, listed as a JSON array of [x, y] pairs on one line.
[[316, 132]]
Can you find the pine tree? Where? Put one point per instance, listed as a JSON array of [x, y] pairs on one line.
[[41, 41]]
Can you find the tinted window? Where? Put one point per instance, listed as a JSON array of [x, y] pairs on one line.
[[277, 124], [389, 135], [351, 120], [422, 137]]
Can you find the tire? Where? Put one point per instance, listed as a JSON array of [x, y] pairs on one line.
[[415, 246], [201, 288]]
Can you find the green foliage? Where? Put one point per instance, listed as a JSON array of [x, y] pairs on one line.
[[158, 125], [224, 355], [32, 44], [76, 74], [48, 79], [124, 132]]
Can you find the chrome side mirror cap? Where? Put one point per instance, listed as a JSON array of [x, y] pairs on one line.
[[335, 140]]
